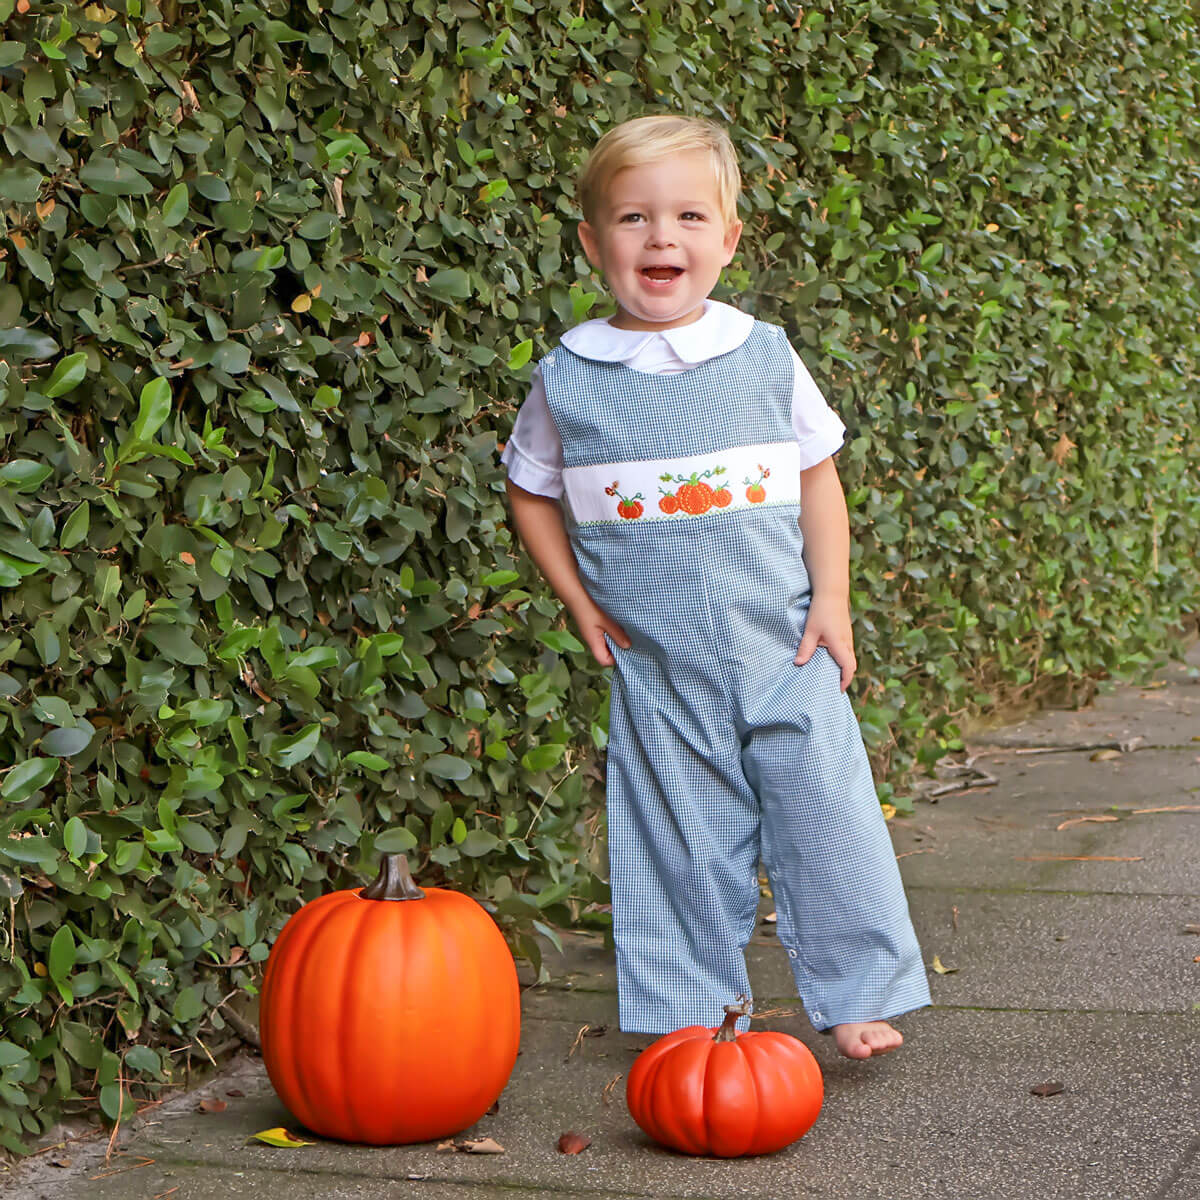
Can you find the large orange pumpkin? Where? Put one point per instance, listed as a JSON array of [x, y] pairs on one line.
[[389, 1014], [726, 1095]]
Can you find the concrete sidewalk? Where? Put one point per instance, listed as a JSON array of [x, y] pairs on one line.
[[1070, 961]]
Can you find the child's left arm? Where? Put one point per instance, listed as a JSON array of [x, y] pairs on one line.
[[826, 528]]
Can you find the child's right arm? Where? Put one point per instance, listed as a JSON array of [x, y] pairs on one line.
[[540, 526]]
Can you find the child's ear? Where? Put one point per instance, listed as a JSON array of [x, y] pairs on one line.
[[732, 234], [587, 235]]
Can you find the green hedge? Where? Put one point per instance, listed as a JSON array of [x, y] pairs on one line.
[[273, 277]]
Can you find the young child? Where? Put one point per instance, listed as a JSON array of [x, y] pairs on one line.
[[667, 471]]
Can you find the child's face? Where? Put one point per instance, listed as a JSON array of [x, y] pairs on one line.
[[661, 215]]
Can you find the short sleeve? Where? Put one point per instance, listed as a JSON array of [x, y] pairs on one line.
[[534, 454], [819, 430]]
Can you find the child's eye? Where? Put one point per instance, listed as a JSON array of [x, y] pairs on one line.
[[630, 216], [698, 216]]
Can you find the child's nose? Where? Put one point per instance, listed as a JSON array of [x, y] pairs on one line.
[[661, 233]]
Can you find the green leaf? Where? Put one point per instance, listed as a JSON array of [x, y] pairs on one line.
[[270, 259], [154, 408], [68, 374], [451, 283], [66, 743], [933, 255], [110, 178], [317, 226], [561, 640], [28, 777], [113, 1101], [395, 841], [75, 837], [175, 206], [232, 357], [20, 184], [499, 578], [61, 960], [24, 474], [447, 766], [479, 842], [520, 355], [288, 751], [346, 144], [542, 758], [76, 526], [195, 837], [364, 758], [175, 642]]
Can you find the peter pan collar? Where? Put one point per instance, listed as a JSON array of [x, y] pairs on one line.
[[721, 328]]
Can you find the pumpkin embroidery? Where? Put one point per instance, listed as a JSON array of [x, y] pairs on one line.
[[695, 496], [755, 492], [630, 507]]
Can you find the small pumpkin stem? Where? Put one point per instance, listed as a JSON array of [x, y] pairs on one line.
[[393, 881], [728, 1030]]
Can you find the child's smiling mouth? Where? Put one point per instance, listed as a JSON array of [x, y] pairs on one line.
[[661, 274]]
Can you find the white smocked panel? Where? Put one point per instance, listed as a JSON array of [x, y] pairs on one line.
[[680, 489]]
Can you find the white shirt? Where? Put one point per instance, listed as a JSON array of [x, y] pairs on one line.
[[534, 455]]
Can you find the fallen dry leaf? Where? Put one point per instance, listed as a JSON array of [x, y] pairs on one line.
[[1048, 1089], [573, 1143], [61, 1160], [211, 1105], [1081, 820], [1104, 755], [237, 1092], [280, 1137], [771, 919], [471, 1146], [1191, 929], [190, 559], [481, 1146], [941, 968]]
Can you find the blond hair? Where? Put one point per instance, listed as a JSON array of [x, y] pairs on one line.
[[650, 139]]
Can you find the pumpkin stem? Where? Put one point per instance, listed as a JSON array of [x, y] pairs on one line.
[[393, 882], [728, 1030]]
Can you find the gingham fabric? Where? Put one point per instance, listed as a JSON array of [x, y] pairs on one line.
[[721, 750]]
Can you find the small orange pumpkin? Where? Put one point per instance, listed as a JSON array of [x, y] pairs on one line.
[[389, 1014], [726, 1095]]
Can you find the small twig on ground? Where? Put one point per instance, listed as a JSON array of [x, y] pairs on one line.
[[146, 1162], [606, 1095], [577, 1042]]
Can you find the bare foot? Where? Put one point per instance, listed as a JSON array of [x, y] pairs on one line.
[[867, 1039]]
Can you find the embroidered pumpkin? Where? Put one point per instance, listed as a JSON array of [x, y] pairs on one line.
[[726, 1095], [389, 1014]]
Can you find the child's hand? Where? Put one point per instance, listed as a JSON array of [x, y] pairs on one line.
[[828, 625], [594, 623]]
